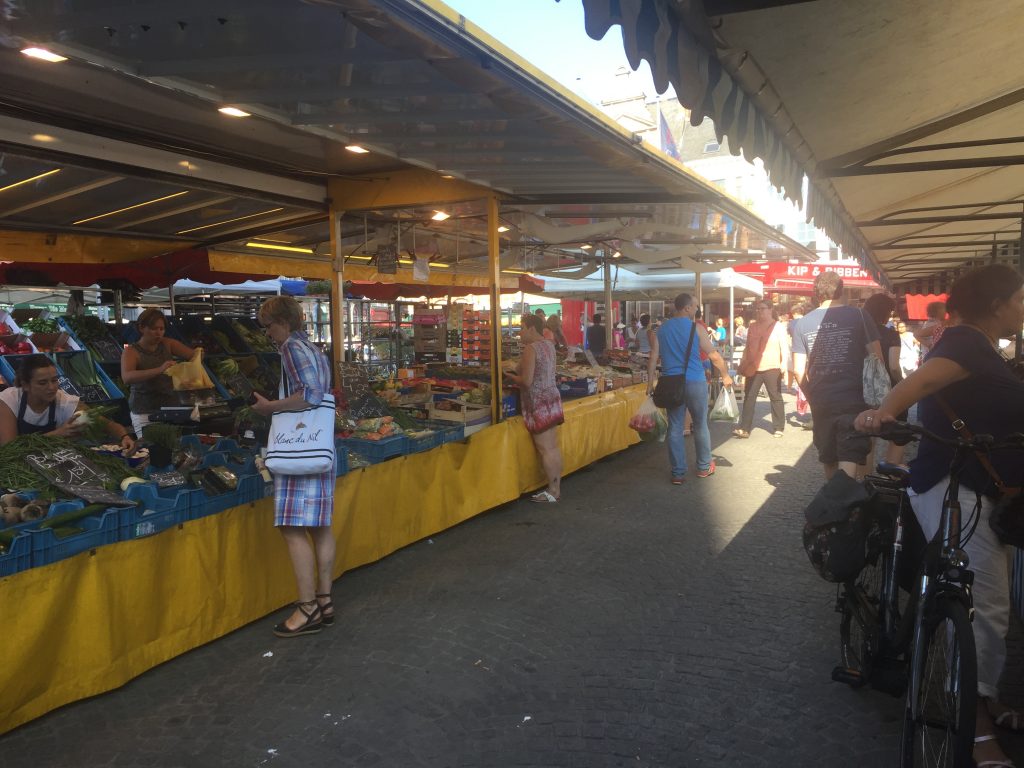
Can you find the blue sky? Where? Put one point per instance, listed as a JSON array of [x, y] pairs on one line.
[[551, 35]]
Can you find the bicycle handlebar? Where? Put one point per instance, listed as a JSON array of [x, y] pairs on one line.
[[901, 430]]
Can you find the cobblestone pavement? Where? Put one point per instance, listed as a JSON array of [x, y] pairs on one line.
[[633, 624]]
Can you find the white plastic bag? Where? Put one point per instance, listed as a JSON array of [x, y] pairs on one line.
[[725, 408], [649, 422]]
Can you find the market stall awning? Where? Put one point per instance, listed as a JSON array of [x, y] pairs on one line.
[[905, 116], [627, 286], [416, 84]]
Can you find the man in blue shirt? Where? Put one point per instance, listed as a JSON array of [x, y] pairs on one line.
[[669, 346]]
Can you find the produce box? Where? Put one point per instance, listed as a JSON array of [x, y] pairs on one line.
[[89, 378], [424, 440], [378, 450], [247, 331], [91, 333], [156, 511], [458, 411], [50, 342], [17, 555], [429, 317], [510, 405], [49, 545], [578, 387], [16, 344], [340, 458]]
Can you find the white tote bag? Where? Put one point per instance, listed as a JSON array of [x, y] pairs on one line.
[[302, 442]]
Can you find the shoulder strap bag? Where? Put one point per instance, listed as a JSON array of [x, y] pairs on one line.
[[875, 378], [301, 442], [1007, 518], [670, 391]]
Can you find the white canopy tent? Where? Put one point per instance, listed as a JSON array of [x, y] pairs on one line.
[[724, 285]]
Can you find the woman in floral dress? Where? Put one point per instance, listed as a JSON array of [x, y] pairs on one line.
[[541, 403]]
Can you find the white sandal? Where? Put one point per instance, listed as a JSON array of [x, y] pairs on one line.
[[991, 763], [1014, 724], [544, 497]]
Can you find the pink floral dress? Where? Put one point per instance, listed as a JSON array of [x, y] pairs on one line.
[[541, 402]]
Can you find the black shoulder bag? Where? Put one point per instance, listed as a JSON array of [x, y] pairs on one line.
[[670, 391]]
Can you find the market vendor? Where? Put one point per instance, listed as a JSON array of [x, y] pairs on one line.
[[143, 365], [36, 404]]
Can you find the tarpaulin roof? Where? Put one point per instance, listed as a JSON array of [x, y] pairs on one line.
[[905, 116]]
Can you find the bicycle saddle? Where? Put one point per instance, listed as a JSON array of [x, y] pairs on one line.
[[894, 471]]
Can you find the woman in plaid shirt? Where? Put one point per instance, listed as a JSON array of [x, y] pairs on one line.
[[302, 503]]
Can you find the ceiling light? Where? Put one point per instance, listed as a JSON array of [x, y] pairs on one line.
[[357, 149], [503, 228], [447, 176], [440, 216], [227, 221], [439, 265], [272, 247], [586, 247], [616, 255], [43, 55], [26, 181], [128, 208], [360, 258], [45, 138], [233, 112], [515, 272]]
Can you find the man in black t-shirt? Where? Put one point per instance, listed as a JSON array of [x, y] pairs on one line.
[[830, 344]]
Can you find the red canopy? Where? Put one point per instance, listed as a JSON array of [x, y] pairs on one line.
[[798, 278], [392, 291], [917, 304]]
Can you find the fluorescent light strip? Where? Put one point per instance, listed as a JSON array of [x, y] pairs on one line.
[[437, 264], [28, 181], [129, 208], [234, 112], [360, 258], [515, 272], [357, 149], [221, 223], [272, 247], [43, 55]]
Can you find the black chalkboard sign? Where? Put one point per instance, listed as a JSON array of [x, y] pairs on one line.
[[73, 473], [387, 259], [94, 393], [68, 386], [107, 351], [355, 388]]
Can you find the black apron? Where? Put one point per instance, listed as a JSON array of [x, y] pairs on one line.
[[24, 428]]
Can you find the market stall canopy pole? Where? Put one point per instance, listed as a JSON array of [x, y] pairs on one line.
[[337, 291], [494, 273]]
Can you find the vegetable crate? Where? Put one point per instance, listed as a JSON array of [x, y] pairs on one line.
[[377, 451], [93, 334], [155, 511], [450, 431], [50, 545], [18, 555], [510, 405], [91, 380], [340, 458], [425, 442]]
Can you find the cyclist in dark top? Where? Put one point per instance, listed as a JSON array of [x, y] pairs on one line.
[[966, 369]]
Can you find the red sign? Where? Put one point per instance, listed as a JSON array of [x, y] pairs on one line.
[[783, 277]]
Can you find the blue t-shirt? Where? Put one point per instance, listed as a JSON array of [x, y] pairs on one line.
[[720, 334], [673, 337], [990, 402]]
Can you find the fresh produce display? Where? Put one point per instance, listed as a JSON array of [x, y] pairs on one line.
[[257, 340], [15, 345], [376, 429], [91, 422], [81, 369], [95, 334], [16, 508], [17, 474], [40, 325]]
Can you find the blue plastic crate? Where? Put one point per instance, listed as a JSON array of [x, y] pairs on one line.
[[425, 442], [189, 496], [379, 450], [450, 432], [113, 393], [204, 504], [340, 458], [158, 510], [18, 556], [510, 405], [97, 530], [117, 346]]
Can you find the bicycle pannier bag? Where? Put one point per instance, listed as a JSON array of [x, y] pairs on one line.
[[835, 535]]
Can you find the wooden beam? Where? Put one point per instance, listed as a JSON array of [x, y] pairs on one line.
[[413, 186], [80, 249]]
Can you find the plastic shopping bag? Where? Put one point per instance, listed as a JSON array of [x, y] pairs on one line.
[[725, 408], [649, 422], [191, 374], [802, 408]]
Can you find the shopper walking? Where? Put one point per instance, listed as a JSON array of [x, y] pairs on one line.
[[966, 370], [669, 348], [541, 403], [303, 504], [644, 335], [829, 347], [910, 350], [764, 357]]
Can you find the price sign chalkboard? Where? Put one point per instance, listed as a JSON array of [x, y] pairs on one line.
[[68, 386], [94, 393], [107, 351], [73, 473], [387, 259], [355, 387]]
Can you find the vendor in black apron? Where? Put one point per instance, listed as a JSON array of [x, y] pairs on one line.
[[37, 405]]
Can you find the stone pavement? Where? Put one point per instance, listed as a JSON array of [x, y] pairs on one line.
[[633, 624]]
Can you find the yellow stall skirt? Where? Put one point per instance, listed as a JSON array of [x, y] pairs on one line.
[[91, 623]]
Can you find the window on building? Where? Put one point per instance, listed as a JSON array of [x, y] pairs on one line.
[[711, 146]]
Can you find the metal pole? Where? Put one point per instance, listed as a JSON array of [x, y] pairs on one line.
[[118, 308], [494, 273], [170, 297], [1020, 267], [732, 315], [608, 321], [337, 292]]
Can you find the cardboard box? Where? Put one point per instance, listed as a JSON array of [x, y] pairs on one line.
[[464, 413]]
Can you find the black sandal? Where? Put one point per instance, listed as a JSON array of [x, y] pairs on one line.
[[312, 624], [327, 619]]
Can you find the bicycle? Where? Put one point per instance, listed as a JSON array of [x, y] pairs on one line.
[[921, 642]]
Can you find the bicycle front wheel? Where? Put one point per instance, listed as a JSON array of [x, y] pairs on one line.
[[938, 727]]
